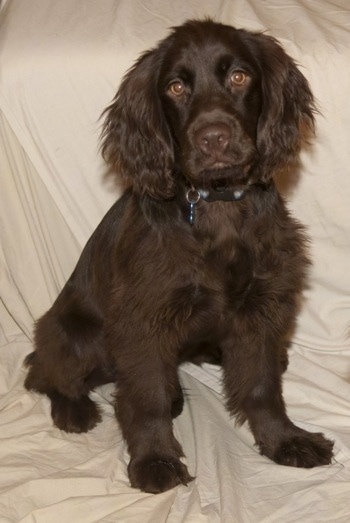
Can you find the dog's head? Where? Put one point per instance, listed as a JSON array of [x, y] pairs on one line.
[[212, 104]]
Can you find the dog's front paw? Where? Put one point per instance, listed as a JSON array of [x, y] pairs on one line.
[[304, 450], [157, 474]]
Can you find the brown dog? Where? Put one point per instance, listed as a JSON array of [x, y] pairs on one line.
[[199, 260]]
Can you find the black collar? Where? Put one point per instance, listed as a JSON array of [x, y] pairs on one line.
[[210, 195], [222, 194]]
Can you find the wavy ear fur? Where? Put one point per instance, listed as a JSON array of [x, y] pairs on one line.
[[136, 139], [288, 109]]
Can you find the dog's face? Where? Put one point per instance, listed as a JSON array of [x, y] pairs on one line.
[[211, 104], [210, 86]]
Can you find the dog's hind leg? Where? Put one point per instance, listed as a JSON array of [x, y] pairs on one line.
[[73, 413], [68, 362]]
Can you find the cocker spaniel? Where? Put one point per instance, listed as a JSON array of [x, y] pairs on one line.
[[198, 261]]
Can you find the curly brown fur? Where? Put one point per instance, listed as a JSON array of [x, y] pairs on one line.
[[210, 108]]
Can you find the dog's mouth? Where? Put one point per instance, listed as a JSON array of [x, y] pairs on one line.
[[223, 176]]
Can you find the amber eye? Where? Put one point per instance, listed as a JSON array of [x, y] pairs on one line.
[[176, 88], [238, 78]]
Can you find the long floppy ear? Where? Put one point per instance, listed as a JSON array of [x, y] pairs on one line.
[[288, 108], [136, 140]]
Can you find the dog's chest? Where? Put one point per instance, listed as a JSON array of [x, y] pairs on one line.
[[215, 281], [222, 247], [223, 263]]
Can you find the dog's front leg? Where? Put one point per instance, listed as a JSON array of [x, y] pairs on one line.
[[148, 396], [252, 378]]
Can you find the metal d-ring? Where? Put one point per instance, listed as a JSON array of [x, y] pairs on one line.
[[193, 197]]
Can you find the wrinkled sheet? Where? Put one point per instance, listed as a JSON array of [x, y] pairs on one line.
[[60, 65]]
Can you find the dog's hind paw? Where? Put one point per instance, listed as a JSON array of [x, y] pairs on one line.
[[78, 415]]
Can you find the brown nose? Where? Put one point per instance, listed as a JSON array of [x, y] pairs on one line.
[[213, 139]]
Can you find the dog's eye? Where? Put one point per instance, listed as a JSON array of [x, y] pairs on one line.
[[176, 88], [238, 78]]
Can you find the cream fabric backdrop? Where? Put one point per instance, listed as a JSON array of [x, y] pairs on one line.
[[60, 65]]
